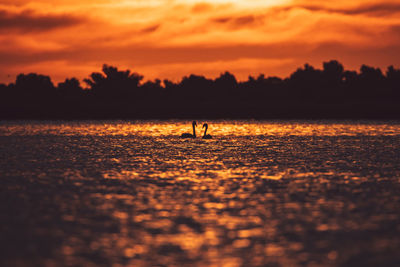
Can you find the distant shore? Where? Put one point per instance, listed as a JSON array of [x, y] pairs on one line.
[[366, 110], [308, 93]]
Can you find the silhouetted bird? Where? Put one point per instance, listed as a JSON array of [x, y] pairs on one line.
[[206, 136], [188, 135]]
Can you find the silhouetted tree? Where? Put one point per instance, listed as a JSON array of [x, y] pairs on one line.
[[152, 85], [393, 81], [250, 87], [114, 93], [306, 82], [114, 83], [5, 92], [350, 78], [70, 88], [170, 90], [226, 81], [33, 84], [3, 89], [262, 88], [195, 88], [225, 89], [169, 86], [151, 90], [333, 74], [370, 81]]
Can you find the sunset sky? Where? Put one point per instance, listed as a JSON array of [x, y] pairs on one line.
[[173, 38]]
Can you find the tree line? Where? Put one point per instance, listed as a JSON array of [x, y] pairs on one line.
[[330, 92]]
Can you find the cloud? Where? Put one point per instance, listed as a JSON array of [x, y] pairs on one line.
[[184, 35], [176, 62], [150, 29], [238, 22], [202, 7], [369, 9], [30, 21], [140, 56]]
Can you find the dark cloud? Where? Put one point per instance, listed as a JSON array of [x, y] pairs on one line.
[[150, 29], [395, 29], [377, 9], [237, 22], [244, 20], [29, 21], [222, 20]]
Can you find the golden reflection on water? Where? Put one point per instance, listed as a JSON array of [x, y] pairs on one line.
[[257, 194], [217, 128]]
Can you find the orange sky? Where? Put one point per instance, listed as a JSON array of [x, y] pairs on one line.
[[173, 38]]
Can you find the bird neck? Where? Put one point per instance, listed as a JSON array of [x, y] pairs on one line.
[[205, 132], [194, 130]]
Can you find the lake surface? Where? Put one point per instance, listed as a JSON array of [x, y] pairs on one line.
[[117, 193]]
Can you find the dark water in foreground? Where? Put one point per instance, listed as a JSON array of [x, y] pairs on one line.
[[258, 194]]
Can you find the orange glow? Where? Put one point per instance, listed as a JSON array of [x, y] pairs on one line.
[[217, 128], [170, 39]]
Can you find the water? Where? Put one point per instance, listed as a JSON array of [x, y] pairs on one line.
[[258, 194]]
